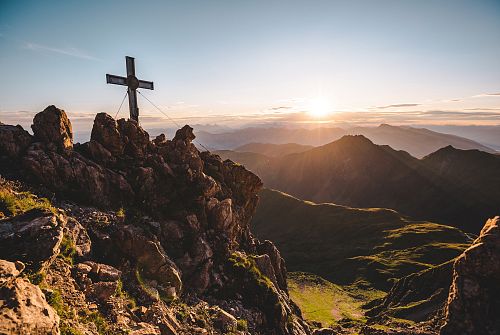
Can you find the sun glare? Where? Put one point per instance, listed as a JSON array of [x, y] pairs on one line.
[[319, 107]]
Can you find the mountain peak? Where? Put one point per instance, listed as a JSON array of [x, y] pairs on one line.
[[165, 220]]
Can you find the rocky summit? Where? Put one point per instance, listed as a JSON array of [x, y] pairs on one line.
[[473, 305], [139, 236]]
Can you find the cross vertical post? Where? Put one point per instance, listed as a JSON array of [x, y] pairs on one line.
[[132, 93], [133, 84]]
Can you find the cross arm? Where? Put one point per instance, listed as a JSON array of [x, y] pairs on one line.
[[146, 84], [117, 80]]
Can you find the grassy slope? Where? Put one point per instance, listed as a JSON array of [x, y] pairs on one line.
[[368, 247], [327, 303]]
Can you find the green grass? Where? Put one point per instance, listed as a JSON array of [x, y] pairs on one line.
[[121, 213], [153, 293], [121, 292], [346, 245], [247, 262], [67, 250], [100, 322], [15, 203], [327, 303], [36, 278], [242, 325]]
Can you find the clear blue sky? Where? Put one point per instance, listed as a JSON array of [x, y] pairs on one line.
[[237, 57]]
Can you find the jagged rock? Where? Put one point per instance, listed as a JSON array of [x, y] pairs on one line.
[[52, 126], [198, 212], [76, 176], [223, 320], [418, 297], [473, 303], [9, 271], [160, 139], [99, 271], [14, 140], [105, 132], [23, 308], [117, 138], [79, 236], [33, 237], [99, 153], [149, 255], [222, 216], [102, 291], [184, 134], [135, 139], [277, 262], [265, 266]]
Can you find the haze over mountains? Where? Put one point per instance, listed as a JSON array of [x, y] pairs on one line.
[[444, 187], [419, 142]]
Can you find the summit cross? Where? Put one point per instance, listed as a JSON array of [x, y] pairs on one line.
[[133, 84]]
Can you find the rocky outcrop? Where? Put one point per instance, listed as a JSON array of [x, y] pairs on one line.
[[23, 308], [150, 258], [418, 297], [33, 238], [14, 140], [183, 217], [53, 128], [473, 303]]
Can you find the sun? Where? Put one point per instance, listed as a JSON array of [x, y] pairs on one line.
[[319, 107]]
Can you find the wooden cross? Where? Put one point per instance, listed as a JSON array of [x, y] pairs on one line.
[[133, 84]]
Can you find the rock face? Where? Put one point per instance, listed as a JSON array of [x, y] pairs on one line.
[[14, 140], [473, 305], [23, 308], [33, 237], [418, 297], [188, 234], [52, 126]]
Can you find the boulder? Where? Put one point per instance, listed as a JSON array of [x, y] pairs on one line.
[[473, 303], [99, 271], [23, 308], [149, 256], [33, 238], [9, 271], [224, 321], [14, 140], [101, 291], [52, 126], [105, 132], [135, 139], [184, 134], [79, 236]]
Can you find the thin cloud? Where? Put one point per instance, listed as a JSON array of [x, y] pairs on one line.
[[398, 106], [72, 52], [482, 95], [482, 109], [280, 107]]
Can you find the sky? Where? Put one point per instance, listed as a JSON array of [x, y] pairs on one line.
[[230, 62]]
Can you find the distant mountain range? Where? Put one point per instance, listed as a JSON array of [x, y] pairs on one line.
[[451, 186], [274, 150], [419, 142], [486, 135]]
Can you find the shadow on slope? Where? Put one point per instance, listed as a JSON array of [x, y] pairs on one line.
[[366, 247]]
